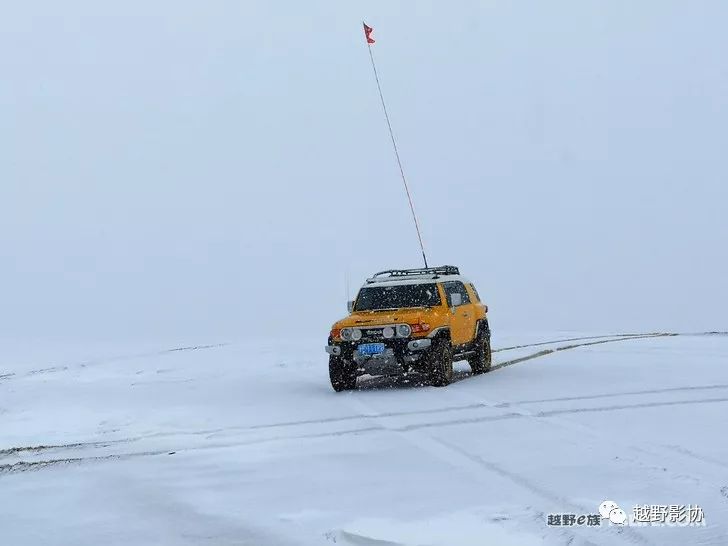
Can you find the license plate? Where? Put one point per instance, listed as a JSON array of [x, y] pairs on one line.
[[371, 348]]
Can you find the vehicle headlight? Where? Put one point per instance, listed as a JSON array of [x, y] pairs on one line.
[[346, 334], [356, 334], [404, 330], [388, 332]]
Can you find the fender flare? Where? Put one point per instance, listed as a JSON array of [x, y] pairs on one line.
[[439, 333], [482, 324]]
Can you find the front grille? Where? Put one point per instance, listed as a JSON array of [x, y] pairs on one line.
[[371, 334]]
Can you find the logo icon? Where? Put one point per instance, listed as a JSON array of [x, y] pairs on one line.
[[610, 510]]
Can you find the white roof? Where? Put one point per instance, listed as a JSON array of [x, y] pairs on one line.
[[414, 279]]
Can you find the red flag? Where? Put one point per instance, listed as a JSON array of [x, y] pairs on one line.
[[368, 33]]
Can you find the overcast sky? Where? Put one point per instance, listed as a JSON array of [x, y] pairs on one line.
[[214, 170]]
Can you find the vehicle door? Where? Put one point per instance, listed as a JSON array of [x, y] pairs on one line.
[[462, 317]]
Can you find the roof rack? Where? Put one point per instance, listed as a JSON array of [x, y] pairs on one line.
[[433, 272]]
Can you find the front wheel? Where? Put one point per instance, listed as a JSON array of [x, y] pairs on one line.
[[342, 374], [440, 369], [481, 360]]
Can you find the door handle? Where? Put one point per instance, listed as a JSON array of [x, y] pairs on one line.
[[465, 315]]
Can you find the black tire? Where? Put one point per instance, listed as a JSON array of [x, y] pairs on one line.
[[342, 374], [481, 361], [439, 363]]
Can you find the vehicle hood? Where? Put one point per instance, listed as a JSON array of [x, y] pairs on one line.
[[378, 318]]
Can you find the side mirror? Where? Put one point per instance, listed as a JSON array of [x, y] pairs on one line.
[[350, 306], [456, 299]]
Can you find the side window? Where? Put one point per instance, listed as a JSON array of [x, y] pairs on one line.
[[449, 288], [461, 289], [475, 293], [455, 287]]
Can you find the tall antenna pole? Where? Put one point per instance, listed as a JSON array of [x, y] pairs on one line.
[[367, 33]]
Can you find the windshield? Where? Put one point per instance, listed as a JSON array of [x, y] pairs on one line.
[[373, 298]]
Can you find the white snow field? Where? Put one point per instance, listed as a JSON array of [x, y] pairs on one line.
[[247, 444]]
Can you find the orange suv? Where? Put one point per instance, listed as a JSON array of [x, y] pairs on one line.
[[410, 320]]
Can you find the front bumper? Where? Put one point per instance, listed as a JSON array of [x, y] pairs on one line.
[[399, 354], [413, 346]]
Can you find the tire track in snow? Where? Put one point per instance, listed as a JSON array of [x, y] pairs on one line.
[[611, 395], [565, 340], [545, 352], [106, 360], [37, 449], [550, 413], [691, 454], [625, 336], [28, 466], [20, 450], [24, 466]]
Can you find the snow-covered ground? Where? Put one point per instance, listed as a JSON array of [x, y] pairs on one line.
[[246, 443]]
